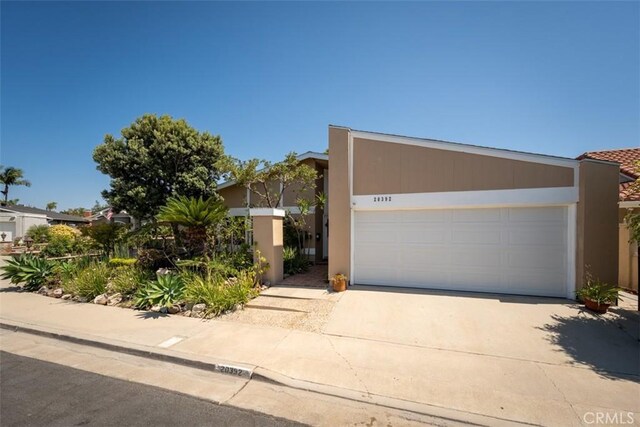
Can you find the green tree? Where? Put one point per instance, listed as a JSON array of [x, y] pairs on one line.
[[197, 216], [154, 159], [106, 235], [97, 207], [10, 176], [74, 211], [51, 206], [269, 181]]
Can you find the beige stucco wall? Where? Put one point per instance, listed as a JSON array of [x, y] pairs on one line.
[[339, 200], [627, 255], [391, 168], [597, 218], [267, 237], [234, 196]]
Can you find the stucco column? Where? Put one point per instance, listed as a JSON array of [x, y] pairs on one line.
[[267, 238]]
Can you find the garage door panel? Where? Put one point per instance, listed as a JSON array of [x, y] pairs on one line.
[[471, 235], [548, 236], [436, 255], [555, 214], [507, 250], [477, 215]]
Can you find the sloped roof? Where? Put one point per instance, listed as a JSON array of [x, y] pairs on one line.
[[628, 159], [56, 216]]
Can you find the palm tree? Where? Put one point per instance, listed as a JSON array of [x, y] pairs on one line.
[[51, 206], [196, 216], [11, 176]]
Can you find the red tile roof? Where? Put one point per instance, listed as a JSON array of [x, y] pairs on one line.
[[629, 159]]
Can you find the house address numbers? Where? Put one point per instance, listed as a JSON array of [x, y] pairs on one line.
[[381, 199]]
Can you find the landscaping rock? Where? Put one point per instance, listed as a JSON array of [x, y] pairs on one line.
[[57, 293], [101, 299], [188, 306], [158, 309], [66, 297], [82, 299], [43, 290], [50, 293], [174, 309], [198, 309], [115, 299]]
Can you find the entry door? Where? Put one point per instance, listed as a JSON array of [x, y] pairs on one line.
[[502, 250]]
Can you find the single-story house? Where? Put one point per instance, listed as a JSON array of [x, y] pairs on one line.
[[15, 220], [103, 216], [413, 212], [628, 201], [239, 199]]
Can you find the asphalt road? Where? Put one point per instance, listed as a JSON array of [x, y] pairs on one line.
[[37, 393]]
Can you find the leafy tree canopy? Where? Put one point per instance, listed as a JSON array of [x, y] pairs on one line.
[[269, 181], [74, 211], [156, 158]]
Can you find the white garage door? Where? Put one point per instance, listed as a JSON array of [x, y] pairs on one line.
[[503, 250]]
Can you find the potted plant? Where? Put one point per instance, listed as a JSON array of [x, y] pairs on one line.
[[339, 282], [598, 296]]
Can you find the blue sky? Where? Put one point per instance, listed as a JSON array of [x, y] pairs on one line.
[[556, 78]]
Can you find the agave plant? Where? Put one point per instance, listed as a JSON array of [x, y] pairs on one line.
[[165, 291], [28, 269], [196, 215]]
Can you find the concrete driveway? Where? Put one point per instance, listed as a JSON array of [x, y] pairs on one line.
[[547, 330], [484, 350]]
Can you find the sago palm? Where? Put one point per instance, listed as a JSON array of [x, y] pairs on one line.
[[196, 215]]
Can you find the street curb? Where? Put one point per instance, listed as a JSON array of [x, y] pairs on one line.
[[263, 375], [223, 367]]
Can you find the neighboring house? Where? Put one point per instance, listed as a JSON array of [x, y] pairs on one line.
[[239, 199], [422, 213], [628, 200], [103, 216], [16, 220]]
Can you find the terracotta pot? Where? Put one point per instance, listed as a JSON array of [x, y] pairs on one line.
[[594, 306], [339, 285]]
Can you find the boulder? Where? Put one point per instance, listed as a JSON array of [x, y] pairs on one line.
[[101, 299], [174, 309], [198, 308], [57, 293], [115, 299]]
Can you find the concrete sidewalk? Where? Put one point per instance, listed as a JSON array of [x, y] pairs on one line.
[[477, 388]]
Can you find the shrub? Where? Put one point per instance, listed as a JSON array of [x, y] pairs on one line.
[[58, 246], [122, 262], [219, 294], [63, 232], [165, 291], [28, 269], [39, 233], [153, 259], [127, 280], [106, 235], [89, 282], [294, 262]]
